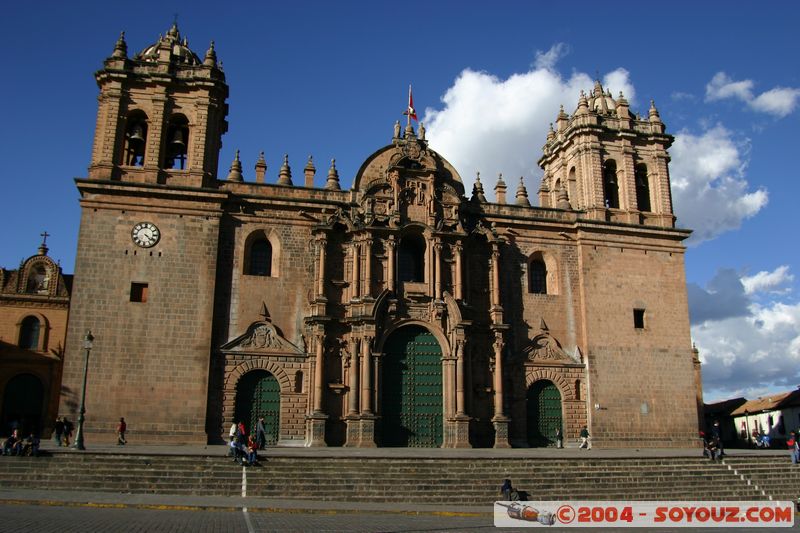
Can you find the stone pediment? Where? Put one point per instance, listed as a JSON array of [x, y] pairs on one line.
[[544, 348], [262, 337]]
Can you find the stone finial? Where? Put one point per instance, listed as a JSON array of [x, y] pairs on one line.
[[121, 48], [543, 325], [332, 183], [622, 107], [261, 168], [583, 104], [500, 190], [562, 120], [477, 190], [285, 173], [654, 116], [551, 134], [235, 173], [544, 186], [598, 89], [309, 172], [421, 131], [43, 247], [211, 56], [410, 131], [562, 202], [522, 194]]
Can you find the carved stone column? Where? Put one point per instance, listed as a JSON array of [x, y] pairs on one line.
[[437, 280], [356, 272], [390, 245], [457, 275], [321, 242], [316, 430], [460, 378], [352, 394], [368, 268], [366, 376], [500, 420]]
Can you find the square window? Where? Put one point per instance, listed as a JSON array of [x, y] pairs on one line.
[[638, 318], [139, 292]]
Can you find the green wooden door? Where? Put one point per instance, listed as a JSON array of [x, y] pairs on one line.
[[258, 394], [544, 413], [411, 381]]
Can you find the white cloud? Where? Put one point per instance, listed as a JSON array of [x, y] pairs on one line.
[[752, 352], [780, 101], [493, 125], [710, 192], [767, 281], [547, 60], [721, 86]]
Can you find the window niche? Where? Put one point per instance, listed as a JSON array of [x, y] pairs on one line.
[[610, 185], [642, 188], [177, 143], [139, 292], [29, 332], [537, 274], [135, 139], [261, 254], [411, 258], [638, 318]]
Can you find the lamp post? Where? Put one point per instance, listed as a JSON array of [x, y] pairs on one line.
[[87, 345]]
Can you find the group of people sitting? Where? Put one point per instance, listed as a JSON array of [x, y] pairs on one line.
[[243, 448], [15, 444]]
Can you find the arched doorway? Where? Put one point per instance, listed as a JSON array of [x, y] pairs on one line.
[[411, 389], [544, 413], [259, 394], [22, 404]]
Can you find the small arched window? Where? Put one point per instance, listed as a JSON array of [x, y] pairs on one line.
[[177, 142], [260, 258], [411, 258], [135, 139], [642, 188], [29, 333], [610, 185], [537, 275]]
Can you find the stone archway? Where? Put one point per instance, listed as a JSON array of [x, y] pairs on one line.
[[258, 394], [23, 400], [544, 413], [412, 400]]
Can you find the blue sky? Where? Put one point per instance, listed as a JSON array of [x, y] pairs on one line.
[[330, 79]]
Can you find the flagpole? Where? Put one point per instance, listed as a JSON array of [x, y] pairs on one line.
[[408, 107]]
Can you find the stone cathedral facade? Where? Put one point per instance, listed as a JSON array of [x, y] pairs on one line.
[[403, 311]]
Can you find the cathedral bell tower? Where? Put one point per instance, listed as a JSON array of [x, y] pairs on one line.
[[161, 114], [608, 162]]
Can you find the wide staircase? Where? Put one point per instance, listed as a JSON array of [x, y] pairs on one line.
[[774, 475], [408, 480]]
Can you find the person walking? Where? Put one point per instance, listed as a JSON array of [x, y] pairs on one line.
[[261, 434], [122, 427], [585, 438], [794, 446], [716, 433], [58, 431], [67, 431], [559, 438]]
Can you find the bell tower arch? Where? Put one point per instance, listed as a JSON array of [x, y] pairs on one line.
[[161, 114]]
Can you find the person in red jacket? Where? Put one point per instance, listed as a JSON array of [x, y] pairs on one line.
[[122, 427]]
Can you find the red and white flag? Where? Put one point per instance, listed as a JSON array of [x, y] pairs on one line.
[[411, 112]]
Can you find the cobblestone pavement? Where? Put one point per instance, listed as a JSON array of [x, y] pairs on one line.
[[57, 519], [65, 519]]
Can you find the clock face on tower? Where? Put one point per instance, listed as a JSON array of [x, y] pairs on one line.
[[145, 234]]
